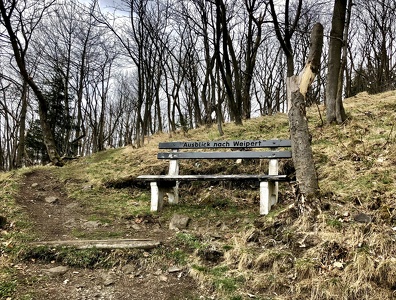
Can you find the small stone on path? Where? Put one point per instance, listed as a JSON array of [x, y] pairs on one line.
[[179, 222], [72, 205], [57, 271], [92, 224], [136, 227], [128, 269], [51, 199], [108, 279], [174, 269], [362, 218]]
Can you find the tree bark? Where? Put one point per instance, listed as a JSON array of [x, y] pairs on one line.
[[306, 175], [340, 111], [334, 108], [301, 142], [22, 127]]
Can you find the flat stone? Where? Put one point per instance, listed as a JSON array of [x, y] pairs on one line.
[[136, 227], [34, 185], [70, 223], [91, 224], [128, 269], [109, 279], [179, 222], [57, 271], [73, 205], [51, 199], [362, 218], [174, 269]]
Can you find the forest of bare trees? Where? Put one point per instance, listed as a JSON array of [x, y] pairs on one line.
[[77, 77]]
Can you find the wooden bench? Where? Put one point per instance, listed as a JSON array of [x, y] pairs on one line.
[[243, 149]]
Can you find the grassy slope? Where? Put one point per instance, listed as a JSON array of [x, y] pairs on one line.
[[279, 256]]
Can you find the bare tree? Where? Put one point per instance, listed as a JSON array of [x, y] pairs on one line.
[[373, 50], [284, 35], [335, 112], [24, 17], [237, 72]]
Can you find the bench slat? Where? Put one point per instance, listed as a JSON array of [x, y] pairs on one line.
[[169, 178], [225, 155], [226, 144]]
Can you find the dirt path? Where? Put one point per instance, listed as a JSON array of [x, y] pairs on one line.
[[55, 216]]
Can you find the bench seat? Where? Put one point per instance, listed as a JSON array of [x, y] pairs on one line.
[[221, 177]]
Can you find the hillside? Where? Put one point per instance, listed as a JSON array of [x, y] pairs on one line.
[[228, 251]]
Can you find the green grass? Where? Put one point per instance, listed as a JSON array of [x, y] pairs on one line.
[[220, 278], [189, 240], [178, 257], [337, 224], [7, 289]]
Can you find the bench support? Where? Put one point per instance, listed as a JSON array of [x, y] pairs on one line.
[[157, 197], [173, 193], [269, 189], [158, 192], [268, 196]]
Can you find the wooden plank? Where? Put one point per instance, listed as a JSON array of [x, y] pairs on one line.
[[225, 155], [102, 244], [220, 177], [226, 144]]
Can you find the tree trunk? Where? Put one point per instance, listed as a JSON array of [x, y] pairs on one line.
[[307, 179], [334, 108], [19, 54], [340, 111], [22, 127], [301, 142], [224, 65]]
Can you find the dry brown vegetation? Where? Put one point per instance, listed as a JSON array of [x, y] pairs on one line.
[[347, 251]]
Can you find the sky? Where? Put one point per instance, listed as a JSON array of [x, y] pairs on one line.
[[109, 6], [110, 3]]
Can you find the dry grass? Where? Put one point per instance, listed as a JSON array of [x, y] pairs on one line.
[[335, 257], [282, 256]]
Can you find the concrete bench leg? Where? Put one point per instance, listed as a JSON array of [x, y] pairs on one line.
[[268, 196], [173, 194], [157, 197]]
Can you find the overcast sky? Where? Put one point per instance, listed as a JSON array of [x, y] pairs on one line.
[[109, 5]]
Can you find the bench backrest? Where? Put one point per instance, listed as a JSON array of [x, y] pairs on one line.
[[240, 147]]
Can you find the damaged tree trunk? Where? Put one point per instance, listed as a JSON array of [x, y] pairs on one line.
[[307, 180]]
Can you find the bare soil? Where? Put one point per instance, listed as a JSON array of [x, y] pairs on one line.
[[58, 220]]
